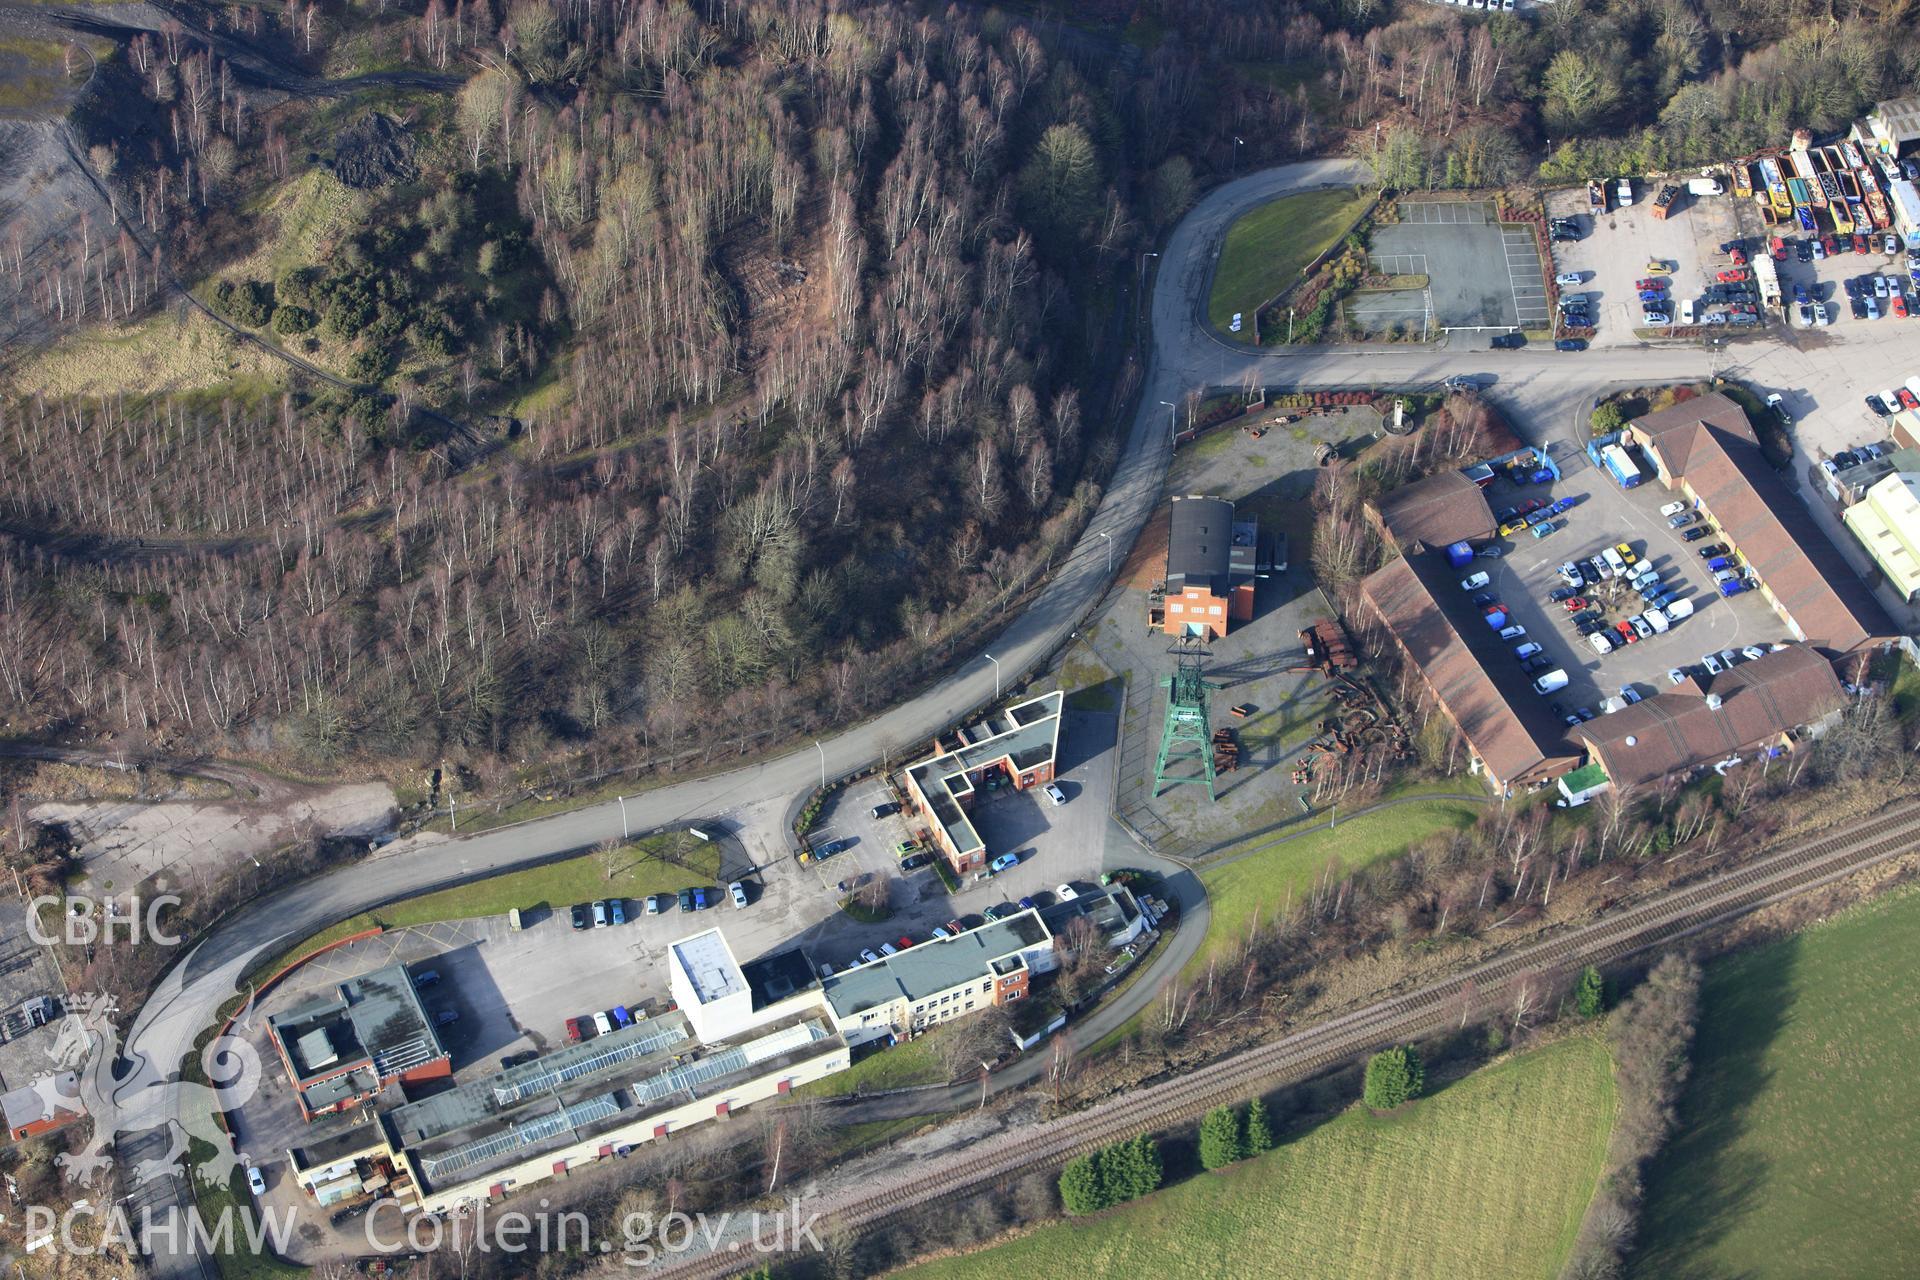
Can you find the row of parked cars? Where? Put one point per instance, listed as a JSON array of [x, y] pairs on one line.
[[1888, 403], [606, 912], [1873, 295], [1530, 654], [953, 928]]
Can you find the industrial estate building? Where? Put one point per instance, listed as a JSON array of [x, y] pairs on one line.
[[734, 1035], [1758, 707], [1706, 449], [1516, 741], [1017, 747], [1887, 522], [341, 1049]]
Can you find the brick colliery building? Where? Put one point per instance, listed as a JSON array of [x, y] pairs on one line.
[[1016, 747], [1212, 561]]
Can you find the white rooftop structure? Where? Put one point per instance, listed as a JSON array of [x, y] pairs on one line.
[[708, 985]]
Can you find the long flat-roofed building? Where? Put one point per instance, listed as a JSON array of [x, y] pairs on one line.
[[592, 1101], [1887, 522], [1018, 747], [940, 980]]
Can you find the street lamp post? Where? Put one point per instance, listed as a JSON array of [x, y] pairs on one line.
[[1289, 326], [1109, 541], [1238, 142], [823, 764], [625, 833], [1173, 425], [996, 675], [1140, 292]]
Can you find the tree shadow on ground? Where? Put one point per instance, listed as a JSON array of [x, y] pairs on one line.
[[1704, 1181]]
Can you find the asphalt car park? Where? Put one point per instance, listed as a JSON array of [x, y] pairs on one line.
[[1055, 844], [1616, 248], [1603, 515], [1826, 280], [1481, 273]]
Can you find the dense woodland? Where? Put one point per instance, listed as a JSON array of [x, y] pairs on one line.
[[697, 356]]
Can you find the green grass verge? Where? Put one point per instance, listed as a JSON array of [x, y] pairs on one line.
[[1488, 1178], [1266, 880], [901, 1066], [1794, 1152], [1906, 691], [1267, 247], [639, 871]]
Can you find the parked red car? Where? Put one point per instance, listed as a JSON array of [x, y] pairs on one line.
[[1627, 634], [1778, 248], [1732, 276], [1531, 505], [1651, 282], [1907, 399], [1738, 257], [1860, 244], [1899, 305], [1831, 245]]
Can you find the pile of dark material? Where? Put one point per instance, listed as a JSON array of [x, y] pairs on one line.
[[374, 152]]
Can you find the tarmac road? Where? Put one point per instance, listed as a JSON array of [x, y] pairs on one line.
[[1534, 386]]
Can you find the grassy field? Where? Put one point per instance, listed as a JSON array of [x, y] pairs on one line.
[[1794, 1154], [1266, 248], [905, 1064], [176, 349], [637, 872], [1488, 1178], [1266, 880]]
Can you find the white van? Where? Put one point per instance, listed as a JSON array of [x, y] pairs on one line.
[[1686, 311], [1598, 640], [1679, 609], [1657, 620], [1614, 562], [1548, 683], [1624, 192]]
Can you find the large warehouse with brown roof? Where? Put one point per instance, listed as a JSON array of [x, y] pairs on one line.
[[1755, 706], [1435, 512], [1514, 737], [1706, 448]]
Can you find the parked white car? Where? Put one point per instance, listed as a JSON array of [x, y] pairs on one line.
[[1475, 582], [1673, 508], [1568, 277]]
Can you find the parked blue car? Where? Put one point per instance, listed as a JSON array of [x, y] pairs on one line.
[[1561, 505], [1733, 588]]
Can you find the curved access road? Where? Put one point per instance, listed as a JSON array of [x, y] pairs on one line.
[[1184, 357]]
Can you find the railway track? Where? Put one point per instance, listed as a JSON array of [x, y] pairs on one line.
[[1396, 1019]]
